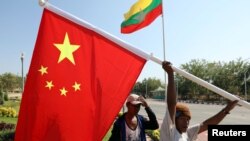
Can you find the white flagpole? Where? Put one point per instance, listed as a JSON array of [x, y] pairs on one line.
[[163, 38], [164, 48], [141, 53]]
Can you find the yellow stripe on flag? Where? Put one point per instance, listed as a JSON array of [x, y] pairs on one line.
[[137, 7]]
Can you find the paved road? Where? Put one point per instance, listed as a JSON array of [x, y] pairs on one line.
[[200, 112]]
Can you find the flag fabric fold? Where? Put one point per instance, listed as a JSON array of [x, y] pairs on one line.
[[77, 83], [140, 15]]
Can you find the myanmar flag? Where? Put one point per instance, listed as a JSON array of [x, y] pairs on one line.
[[141, 14], [77, 83]]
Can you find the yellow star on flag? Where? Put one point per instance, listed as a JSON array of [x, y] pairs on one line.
[[66, 50], [43, 70], [49, 84], [63, 91], [76, 86]]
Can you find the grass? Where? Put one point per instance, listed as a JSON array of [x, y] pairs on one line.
[[8, 120]]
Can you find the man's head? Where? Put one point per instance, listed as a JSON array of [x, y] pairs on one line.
[[133, 104], [182, 117], [133, 99], [182, 110]]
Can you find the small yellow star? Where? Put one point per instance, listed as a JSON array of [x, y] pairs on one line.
[[43, 70], [66, 50], [63, 91], [49, 84], [76, 86]]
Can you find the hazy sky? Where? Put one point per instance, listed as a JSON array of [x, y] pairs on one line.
[[215, 30]]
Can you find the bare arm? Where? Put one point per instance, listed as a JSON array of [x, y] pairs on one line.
[[171, 91], [216, 119]]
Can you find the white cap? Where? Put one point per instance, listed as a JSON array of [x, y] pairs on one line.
[[133, 99]]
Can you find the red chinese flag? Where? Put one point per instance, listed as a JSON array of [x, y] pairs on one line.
[[77, 83]]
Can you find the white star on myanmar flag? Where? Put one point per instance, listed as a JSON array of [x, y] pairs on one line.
[[67, 50]]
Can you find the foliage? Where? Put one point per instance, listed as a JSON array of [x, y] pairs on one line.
[[7, 131], [227, 76], [8, 135], [15, 105], [9, 81], [1, 98], [7, 112], [5, 97], [107, 136], [9, 120], [153, 134], [146, 86]]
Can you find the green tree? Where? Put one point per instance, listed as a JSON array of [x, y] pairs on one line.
[[227, 76], [1, 98], [146, 86], [10, 81], [190, 89]]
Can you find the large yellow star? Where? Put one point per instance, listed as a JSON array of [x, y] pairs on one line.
[[66, 50]]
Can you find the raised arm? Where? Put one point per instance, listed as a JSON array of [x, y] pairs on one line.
[[152, 123], [171, 91], [216, 119]]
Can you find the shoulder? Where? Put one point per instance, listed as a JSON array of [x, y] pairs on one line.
[[120, 119], [141, 118], [193, 131]]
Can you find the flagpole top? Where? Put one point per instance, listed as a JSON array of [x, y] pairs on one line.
[[42, 2]]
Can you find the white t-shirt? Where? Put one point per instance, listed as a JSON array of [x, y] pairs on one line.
[[132, 135], [169, 132]]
